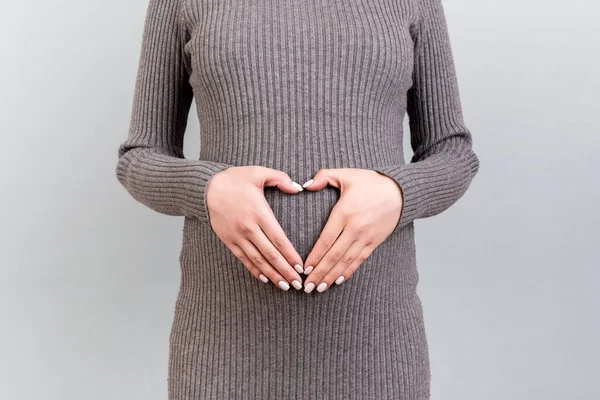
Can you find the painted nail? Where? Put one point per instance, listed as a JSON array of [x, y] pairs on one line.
[[309, 287], [298, 268], [297, 186], [308, 182], [322, 286], [308, 270], [297, 284], [339, 280], [284, 285], [263, 278]]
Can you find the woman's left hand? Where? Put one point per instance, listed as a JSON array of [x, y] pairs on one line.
[[366, 213]]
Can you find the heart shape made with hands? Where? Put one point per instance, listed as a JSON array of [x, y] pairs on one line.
[[365, 213]]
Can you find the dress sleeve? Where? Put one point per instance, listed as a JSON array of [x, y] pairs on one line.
[[151, 165], [443, 163]]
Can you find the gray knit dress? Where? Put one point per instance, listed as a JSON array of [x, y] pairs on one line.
[[297, 85]]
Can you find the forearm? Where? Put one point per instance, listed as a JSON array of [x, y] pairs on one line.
[[434, 181], [166, 183]]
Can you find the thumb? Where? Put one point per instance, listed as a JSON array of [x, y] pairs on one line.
[[273, 177], [324, 177]]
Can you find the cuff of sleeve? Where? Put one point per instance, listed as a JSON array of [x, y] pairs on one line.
[[207, 170], [410, 184]]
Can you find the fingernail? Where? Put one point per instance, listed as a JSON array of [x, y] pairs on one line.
[[322, 286], [308, 182], [297, 284], [298, 268], [309, 287], [284, 285], [339, 280], [263, 278], [297, 186], [308, 270]]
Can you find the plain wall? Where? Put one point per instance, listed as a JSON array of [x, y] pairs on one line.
[[509, 275]]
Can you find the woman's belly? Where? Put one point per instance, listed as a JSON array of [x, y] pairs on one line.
[[303, 215], [209, 266]]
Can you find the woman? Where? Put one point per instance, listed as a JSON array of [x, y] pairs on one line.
[[292, 91]]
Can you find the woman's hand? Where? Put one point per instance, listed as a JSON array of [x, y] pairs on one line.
[[242, 218], [366, 213]]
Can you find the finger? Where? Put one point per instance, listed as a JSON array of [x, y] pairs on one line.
[[362, 256], [257, 258], [329, 260], [245, 259], [336, 273], [331, 231], [281, 180], [323, 177], [274, 257], [272, 229]]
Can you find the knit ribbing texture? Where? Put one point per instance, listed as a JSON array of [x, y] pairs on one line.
[[297, 86]]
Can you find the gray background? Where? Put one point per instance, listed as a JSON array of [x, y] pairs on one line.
[[508, 275]]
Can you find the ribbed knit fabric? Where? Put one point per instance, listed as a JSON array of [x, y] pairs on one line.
[[297, 86]]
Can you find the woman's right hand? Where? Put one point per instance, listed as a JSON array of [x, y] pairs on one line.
[[242, 218]]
